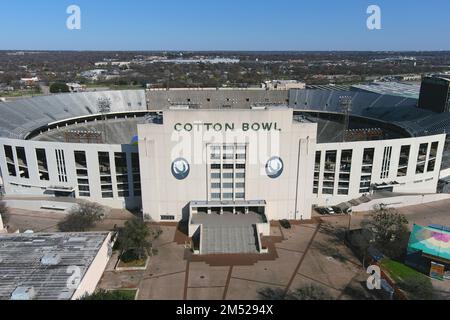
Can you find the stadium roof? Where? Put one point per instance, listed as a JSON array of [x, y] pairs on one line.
[[41, 264], [400, 89]]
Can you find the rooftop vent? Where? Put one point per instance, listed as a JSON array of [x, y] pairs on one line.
[[51, 259], [23, 293]]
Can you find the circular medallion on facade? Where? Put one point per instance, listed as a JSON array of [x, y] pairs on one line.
[[180, 168], [274, 167]]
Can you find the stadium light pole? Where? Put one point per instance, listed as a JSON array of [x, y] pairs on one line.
[[346, 106], [104, 107]]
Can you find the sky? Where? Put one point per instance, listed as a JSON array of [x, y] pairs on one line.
[[276, 25]]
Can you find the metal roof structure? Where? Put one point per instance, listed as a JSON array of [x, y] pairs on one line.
[[406, 90], [43, 265]]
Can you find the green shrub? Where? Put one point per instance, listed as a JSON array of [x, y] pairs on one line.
[[102, 294]]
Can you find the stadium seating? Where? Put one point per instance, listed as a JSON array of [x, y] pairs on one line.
[[21, 116]]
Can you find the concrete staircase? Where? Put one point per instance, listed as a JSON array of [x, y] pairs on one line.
[[228, 239]]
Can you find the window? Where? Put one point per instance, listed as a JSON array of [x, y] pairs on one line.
[[432, 156], [330, 161], [386, 163], [317, 162], [421, 158], [10, 161], [403, 161], [240, 175], [346, 160], [82, 173], [136, 174], [328, 174], [22, 160], [105, 175], [232, 168], [120, 160], [8, 153], [366, 170], [215, 175], [240, 195], [240, 185], [41, 158], [104, 163], [61, 165]]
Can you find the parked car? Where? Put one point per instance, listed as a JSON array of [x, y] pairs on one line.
[[285, 224], [319, 210], [337, 209], [330, 210]]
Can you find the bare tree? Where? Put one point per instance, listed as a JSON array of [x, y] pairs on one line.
[[82, 218]]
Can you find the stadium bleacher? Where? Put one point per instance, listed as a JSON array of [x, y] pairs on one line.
[[21, 116]]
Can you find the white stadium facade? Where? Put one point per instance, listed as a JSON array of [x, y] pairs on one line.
[[179, 153]]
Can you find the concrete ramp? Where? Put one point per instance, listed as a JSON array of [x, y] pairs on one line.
[[228, 239]]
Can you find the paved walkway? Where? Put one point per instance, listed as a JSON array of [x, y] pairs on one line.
[[307, 253]]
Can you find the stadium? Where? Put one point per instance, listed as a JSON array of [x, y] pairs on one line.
[[128, 149]]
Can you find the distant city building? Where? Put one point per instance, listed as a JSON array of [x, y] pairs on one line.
[[435, 94], [52, 266], [6, 88], [113, 63], [283, 84], [29, 81], [94, 74], [76, 87]]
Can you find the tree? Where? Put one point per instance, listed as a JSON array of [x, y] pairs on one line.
[[58, 87], [102, 294], [4, 212], [135, 239], [308, 292], [418, 288], [311, 292], [82, 218], [389, 230], [271, 294]]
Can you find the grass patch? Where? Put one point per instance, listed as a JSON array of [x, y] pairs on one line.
[[129, 259], [400, 272], [416, 285], [20, 93], [132, 263], [117, 294]]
